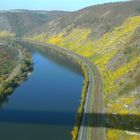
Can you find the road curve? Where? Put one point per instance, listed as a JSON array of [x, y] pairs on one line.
[[91, 125]]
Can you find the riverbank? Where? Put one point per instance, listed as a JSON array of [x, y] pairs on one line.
[[94, 91], [19, 73]]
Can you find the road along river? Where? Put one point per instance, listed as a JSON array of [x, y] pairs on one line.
[[93, 120]]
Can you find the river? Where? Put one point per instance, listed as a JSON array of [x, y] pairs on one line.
[[44, 106]]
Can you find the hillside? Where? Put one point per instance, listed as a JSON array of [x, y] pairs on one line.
[[109, 36], [100, 19], [21, 22]]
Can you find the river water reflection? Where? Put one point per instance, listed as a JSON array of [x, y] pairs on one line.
[[44, 106]]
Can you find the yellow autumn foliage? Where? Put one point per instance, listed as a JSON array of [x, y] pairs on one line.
[[6, 34], [101, 52]]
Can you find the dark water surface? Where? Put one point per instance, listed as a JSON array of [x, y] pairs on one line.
[[44, 106]]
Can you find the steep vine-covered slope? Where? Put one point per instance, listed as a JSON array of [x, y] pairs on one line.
[[100, 18], [109, 36]]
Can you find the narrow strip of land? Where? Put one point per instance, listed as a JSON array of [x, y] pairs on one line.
[[94, 105], [16, 70]]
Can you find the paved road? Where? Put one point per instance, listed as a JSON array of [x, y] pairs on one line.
[[94, 107], [94, 104]]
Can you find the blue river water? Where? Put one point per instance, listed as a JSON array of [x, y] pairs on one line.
[[44, 106]]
